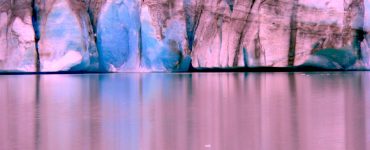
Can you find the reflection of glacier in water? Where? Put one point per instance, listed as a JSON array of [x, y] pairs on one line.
[[291, 111]]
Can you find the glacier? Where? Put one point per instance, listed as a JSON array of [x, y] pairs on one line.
[[17, 38], [141, 36], [175, 35]]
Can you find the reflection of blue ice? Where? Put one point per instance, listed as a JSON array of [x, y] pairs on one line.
[[126, 98], [122, 101], [159, 87]]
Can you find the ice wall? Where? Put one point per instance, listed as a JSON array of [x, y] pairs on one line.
[[17, 38], [272, 33], [172, 35], [137, 35], [65, 36]]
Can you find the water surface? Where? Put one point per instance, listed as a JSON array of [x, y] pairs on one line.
[[166, 111]]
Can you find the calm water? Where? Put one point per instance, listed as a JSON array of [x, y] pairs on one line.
[[218, 111]]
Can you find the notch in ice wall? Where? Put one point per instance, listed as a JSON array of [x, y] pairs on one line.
[[17, 39]]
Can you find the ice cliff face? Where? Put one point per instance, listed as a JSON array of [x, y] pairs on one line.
[[137, 35], [274, 33], [65, 36], [171, 35], [17, 38]]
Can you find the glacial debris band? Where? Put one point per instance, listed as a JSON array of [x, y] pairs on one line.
[[175, 35]]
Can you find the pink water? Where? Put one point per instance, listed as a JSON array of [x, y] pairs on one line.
[[215, 111]]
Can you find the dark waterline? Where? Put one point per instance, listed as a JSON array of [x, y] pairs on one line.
[[158, 111]]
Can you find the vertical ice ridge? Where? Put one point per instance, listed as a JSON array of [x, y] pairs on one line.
[[293, 34]]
